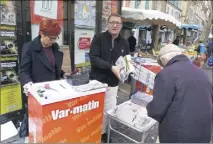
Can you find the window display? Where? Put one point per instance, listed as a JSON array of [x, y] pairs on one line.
[[10, 93], [85, 16]]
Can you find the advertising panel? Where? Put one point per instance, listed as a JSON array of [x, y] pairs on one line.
[[10, 91]]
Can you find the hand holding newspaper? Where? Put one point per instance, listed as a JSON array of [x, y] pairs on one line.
[[126, 67]]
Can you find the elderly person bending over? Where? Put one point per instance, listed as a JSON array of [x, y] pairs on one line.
[[182, 100]]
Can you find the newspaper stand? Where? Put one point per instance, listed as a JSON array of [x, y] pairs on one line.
[[126, 115], [59, 112]]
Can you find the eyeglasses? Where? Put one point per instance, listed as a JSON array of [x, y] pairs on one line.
[[53, 38], [114, 23]]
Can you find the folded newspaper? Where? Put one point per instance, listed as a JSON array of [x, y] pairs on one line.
[[92, 85], [126, 67]]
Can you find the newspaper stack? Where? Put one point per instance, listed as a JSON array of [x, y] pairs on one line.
[[125, 66], [144, 75], [145, 60], [141, 98], [92, 85], [134, 115]]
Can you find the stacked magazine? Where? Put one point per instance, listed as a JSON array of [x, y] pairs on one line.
[[136, 70], [144, 75]]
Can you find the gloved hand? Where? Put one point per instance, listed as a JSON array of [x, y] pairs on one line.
[[27, 87]]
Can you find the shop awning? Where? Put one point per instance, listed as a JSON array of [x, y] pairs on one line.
[[143, 26], [148, 17], [190, 26]]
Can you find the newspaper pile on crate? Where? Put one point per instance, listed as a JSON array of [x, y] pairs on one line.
[[131, 120]]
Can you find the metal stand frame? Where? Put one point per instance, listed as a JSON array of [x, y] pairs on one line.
[[112, 129]]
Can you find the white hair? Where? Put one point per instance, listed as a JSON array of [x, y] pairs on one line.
[[168, 56]]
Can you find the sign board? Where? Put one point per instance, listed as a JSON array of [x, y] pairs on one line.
[[84, 42], [46, 8]]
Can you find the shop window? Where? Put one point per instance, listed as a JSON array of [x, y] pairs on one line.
[[137, 3], [127, 3], [179, 6], [155, 5], [147, 4], [167, 10], [85, 20], [10, 91]]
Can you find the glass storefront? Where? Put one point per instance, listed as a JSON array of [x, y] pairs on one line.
[[85, 22], [10, 90]]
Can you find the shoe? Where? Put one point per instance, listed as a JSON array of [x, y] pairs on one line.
[[26, 140], [104, 138]]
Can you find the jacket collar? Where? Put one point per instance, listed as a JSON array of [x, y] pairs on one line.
[[110, 36], [38, 46], [178, 58]]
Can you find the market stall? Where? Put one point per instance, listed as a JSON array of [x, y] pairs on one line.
[[186, 31], [131, 116], [154, 18], [147, 17], [61, 112]]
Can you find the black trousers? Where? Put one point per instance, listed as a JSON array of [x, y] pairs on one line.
[[24, 128]]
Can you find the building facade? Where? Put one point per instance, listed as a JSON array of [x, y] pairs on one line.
[[186, 12], [199, 13]]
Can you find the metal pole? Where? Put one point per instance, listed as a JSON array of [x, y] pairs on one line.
[[71, 31], [0, 61], [98, 20], [120, 7]]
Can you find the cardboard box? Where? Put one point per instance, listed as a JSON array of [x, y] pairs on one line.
[[65, 114]]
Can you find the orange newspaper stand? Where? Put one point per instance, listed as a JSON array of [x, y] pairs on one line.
[[64, 113]]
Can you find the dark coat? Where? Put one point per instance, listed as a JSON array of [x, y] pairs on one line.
[[103, 56], [34, 65], [182, 103], [132, 43]]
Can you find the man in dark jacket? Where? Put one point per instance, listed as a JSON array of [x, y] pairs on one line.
[[182, 100], [132, 42], [176, 41], [105, 49]]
